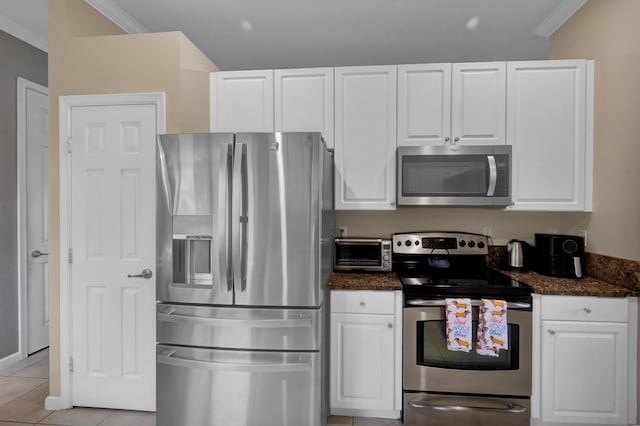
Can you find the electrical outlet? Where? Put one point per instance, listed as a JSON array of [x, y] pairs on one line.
[[487, 231], [342, 232], [583, 233]]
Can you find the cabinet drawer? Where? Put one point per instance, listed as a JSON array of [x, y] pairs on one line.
[[582, 308], [362, 302]]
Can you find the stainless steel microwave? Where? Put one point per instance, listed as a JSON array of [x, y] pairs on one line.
[[454, 175], [362, 254]]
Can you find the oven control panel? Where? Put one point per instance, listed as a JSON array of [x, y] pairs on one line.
[[440, 243]]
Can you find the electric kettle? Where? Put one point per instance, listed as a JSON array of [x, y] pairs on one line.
[[515, 254]]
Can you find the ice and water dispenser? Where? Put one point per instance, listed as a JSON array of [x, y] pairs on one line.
[[186, 211]]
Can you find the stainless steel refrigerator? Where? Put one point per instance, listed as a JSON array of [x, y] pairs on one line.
[[245, 227]]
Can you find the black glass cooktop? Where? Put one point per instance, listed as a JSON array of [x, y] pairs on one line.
[[489, 284]]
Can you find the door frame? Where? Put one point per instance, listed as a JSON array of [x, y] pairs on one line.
[[66, 103], [23, 85]]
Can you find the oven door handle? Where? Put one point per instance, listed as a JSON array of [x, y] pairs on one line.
[[501, 406], [474, 302]]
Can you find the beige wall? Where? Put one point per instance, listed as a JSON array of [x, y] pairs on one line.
[[90, 55], [608, 32], [505, 224]]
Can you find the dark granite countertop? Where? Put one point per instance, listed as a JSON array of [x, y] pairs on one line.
[[586, 286], [542, 284], [388, 281]]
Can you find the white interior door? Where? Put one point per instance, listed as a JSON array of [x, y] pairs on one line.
[[37, 197], [113, 236]]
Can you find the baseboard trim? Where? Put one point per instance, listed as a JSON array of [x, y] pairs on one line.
[[9, 360], [53, 403]]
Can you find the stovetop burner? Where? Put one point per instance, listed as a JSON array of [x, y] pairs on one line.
[[451, 264]]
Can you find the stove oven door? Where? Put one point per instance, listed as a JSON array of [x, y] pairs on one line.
[[430, 367]]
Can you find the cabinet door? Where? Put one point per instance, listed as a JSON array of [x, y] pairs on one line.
[[304, 101], [548, 127], [365, 138], [478, 103], [424, 104], [362, 362], [242, 101], [583, 372]]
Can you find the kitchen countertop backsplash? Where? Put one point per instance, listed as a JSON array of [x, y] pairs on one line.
[[606, 276]]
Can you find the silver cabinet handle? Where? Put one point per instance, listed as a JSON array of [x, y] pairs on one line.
[[456, 140], [389, 325], [507, 407], [37, 253], [587, 310], [447, 139], [362, 303], [146, 274], [552, 332]]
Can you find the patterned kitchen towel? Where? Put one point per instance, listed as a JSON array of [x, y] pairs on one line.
[[492, 328], [459, 325]]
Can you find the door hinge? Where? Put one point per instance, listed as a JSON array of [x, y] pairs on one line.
[[71, 364], [70, 255], [69, 145]]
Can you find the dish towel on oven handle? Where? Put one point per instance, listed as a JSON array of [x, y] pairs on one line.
[[459, 337], [492, 328]]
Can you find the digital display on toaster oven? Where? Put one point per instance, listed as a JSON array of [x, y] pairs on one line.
[[439, 243]]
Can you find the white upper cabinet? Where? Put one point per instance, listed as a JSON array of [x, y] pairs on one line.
[[478, 105], [242, 101], [424, 104], [304, 101], [365, 138], [457, 104], [550, 125]]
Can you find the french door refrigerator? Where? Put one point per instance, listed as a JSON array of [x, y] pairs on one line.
[[245, 227]]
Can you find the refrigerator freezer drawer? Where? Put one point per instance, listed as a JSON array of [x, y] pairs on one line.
[[202, 387], [239, 328]]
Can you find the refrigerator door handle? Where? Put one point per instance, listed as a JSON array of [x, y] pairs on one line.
[[228, 215], [171, 316], [238, 215], [172, 360], [244, 219]]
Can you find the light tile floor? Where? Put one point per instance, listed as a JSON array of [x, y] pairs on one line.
[[24, 387]]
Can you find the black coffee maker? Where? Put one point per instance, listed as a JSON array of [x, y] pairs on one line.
[[560, 255]]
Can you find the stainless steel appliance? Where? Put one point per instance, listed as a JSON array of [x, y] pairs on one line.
[[516, 253], [560, 255], [442, 387], [362, 254], [454, 175], [244, 254]]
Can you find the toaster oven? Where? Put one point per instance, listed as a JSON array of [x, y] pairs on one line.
[[362, 254]]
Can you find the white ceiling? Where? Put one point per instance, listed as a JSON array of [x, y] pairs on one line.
[[254, 34]]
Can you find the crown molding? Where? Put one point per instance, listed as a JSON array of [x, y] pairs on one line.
[[558, 17], [110, 10], [23, 33]]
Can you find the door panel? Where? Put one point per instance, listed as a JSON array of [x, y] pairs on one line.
[[275, 224], [241, 328], [37, 141], [240, 388], [113, 236], [479, 98], [193, 212]]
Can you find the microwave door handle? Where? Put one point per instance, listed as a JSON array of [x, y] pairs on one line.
[[493, 175]]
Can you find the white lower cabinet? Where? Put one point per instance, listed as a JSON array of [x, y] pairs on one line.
[[366, 353], [587, 359]]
